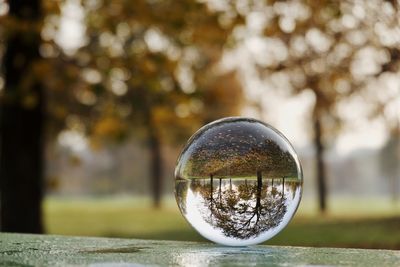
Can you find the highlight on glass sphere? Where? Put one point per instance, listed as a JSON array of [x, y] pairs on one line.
[[238, 181]]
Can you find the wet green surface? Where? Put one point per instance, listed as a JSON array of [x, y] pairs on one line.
[[44, 250]]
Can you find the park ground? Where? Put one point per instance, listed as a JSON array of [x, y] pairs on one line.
[[355, 223]]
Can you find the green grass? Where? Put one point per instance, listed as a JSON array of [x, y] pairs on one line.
[[350, 223]]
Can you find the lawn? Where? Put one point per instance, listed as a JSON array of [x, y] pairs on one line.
[[350, 223]]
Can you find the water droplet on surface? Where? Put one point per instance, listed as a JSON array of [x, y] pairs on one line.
[[238, 191]]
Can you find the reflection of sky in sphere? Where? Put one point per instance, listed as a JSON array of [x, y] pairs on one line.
[[198, 215]]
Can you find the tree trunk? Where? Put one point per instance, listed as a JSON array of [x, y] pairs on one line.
[[21, 150], [156, 167], [394, 174], [320, 167]]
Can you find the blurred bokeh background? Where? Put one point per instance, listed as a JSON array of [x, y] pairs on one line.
[[99, 96]]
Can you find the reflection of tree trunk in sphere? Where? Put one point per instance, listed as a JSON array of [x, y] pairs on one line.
[[211, 195], [257, 210], [220, 191]]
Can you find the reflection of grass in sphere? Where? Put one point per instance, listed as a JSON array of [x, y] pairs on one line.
[[238, 181]]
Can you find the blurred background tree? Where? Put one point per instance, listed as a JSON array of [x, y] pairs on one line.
[[146, 71], [136, 70], [335, 50]]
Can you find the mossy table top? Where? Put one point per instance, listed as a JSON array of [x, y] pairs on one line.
[[46, 250]]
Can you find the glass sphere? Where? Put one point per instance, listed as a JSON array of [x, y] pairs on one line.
[[238, 181]]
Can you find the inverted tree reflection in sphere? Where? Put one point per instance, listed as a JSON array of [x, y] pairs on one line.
[[238, 181]]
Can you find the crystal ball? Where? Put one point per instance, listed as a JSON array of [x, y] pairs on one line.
[[238, 181]]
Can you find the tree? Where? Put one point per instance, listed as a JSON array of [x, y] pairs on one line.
[[160, 67], [140, 70], [334, 49], [21, 150]]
